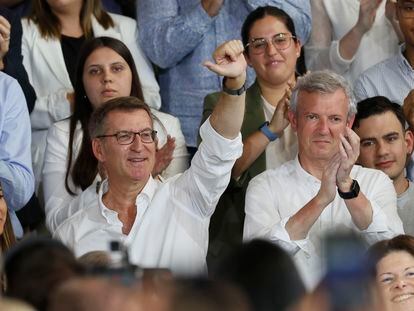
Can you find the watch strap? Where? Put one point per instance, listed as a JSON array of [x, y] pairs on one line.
[[237, 92], [352, 193], [264, 128]]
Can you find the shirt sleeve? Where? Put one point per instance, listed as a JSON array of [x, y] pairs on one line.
[[167, 34], [322, 52], [264, 221], [298, 10], [16, 175]]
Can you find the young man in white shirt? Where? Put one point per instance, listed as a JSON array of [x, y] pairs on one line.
[[386, 145], [321, 190], [163, 224]]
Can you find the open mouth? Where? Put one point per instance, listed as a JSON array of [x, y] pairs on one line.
[[403, 297]]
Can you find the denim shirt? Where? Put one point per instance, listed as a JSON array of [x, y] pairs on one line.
[[178, 36]]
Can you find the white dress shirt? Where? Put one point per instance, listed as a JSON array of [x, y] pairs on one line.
[[276, 195], [56, 197], [172, 220]]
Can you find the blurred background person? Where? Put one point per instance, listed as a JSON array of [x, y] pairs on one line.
[[53, 33], [349, 36], [106, 70]]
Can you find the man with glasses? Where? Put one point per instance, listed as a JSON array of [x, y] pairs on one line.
[[164, 224], [394, 77]]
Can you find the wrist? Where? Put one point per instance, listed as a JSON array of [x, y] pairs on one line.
[[345, 186], [275, 129], [234, 83]]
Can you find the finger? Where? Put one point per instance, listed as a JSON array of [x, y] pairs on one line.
[[214, 67], [354, 139], [346, 145]]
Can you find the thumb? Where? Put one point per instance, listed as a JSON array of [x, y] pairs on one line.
[[213, 67]]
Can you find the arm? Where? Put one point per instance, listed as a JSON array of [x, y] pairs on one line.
[[256, 143], [168, 33], [13, 62], [16, 176], [324, 53], [298, 10]]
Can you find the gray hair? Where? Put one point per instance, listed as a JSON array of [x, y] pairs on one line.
[[323, 82]]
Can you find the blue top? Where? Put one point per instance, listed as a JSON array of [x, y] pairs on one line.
[[392, 78], [179, 36], [16, 175]]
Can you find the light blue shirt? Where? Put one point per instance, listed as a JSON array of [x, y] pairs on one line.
[[179, 36], [392, 78], [16, 175]]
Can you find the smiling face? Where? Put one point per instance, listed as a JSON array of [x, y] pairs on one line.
[[384, 144], [272, 67], [126, 163], [395, 281], [106, 75], [318, 121]]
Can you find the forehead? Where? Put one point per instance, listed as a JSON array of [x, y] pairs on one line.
[[267, 26], [379, 124], [103, 55], [135, 120], [395, 261], [336, 103]]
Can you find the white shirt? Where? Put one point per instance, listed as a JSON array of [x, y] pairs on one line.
[[56, 197], [276, 195], [171, 225], [332, 20]]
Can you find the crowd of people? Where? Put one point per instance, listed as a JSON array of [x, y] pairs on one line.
[[207, 154]]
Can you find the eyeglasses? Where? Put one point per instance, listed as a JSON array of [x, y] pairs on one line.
[[280, 41], [128, 137], [406, 9]]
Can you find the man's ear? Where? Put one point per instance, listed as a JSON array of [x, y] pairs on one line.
[[350, 121], [409, 141], [293, 120], [97, 148]]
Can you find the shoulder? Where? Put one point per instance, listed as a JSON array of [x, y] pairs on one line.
[[164, 117], [269, 177], [377, 71], [369, 177], [123, 21]]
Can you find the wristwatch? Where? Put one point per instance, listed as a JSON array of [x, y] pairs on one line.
[[264, 128], [237, 92], [352, 193]]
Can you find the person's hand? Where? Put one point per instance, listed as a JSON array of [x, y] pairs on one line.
[[327, 191], [5, 29], [279, 119], [212, 7], [3, 211], [349, 151], [408, 108], [229, 60], [164, 156], [367, 12]]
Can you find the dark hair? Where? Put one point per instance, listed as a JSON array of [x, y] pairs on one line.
[[262, 12], [266, 273], [49, 25], [35, 267], [85, 166], [126, 104], [378, 105], [379, 250]]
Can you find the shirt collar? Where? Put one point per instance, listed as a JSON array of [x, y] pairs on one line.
[[403, 62], [302, 173]]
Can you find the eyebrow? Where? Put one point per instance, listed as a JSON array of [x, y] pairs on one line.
[[408, 268], [100, 65]]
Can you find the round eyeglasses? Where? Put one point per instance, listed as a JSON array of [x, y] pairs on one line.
[[127, 137], [280, 41]]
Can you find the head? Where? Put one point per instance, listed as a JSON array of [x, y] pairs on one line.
[[405, 18], [105, 70], [128, 157], [321, 108], [272, 48], [35, 267], [394, 272], [385, 143], [45, 13], [265, 272]]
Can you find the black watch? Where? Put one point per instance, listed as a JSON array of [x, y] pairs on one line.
[[352, 193], [237, 92]]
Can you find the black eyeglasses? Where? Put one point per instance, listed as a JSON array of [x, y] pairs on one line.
[[127, 137], [280, 41]]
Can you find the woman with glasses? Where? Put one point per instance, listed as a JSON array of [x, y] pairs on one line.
[[53, 34], [106, 70], [348, 36], [272, 50]]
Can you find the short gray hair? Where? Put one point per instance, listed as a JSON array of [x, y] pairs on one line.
[[323, 82]]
